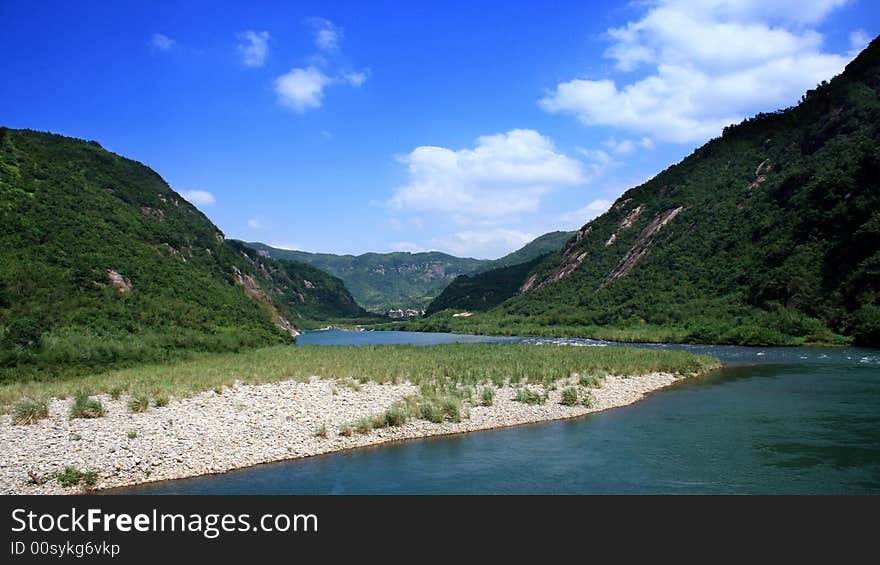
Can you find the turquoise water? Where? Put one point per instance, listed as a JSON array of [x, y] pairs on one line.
[[774, 420]]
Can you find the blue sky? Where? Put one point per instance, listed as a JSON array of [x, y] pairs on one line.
[[467, 127]]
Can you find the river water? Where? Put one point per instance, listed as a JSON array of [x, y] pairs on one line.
[[774, 420]]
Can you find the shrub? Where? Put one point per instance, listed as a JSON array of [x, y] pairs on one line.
[[529, 396], [29, 410], [588, 399], [487, 396], [115, 392], [84, 406], [71, 477], [160, 400], [431, 410], [396, 415], [139, 402], [569, 396], [379, 421], [364, 426], [452, 408], [346, 430], [591, 381], [322, 430]]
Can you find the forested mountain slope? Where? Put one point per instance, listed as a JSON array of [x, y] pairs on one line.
[[102, 263], [768, 234]]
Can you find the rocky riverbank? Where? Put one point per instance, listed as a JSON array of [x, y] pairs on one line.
[[245, 425]]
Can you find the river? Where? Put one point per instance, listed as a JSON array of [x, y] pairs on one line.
[[774, 421]]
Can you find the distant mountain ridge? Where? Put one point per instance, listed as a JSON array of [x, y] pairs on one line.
[[381, 281]]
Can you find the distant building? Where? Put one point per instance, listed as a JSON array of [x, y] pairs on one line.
[[408, 313]]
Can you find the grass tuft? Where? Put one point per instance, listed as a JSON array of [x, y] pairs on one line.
[[139, 402], [529, 396], [487, 396], [83, 406], [29, 411], [569, 396], [71, 477], [322, 430]]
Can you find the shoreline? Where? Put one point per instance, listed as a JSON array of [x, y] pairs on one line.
[[247, 425]]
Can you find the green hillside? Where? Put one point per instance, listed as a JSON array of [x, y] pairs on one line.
[[380, 281], [769, 234], [104, 264], [483, 291], [538, 247]]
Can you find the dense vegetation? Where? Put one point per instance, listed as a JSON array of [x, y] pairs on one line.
[[483, 291], [769, 234], [380, 281], [539, 247], [104, 264], [438, 367]]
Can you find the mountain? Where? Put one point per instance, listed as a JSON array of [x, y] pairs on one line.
[[104, 264], [380, 281], [540, 246], [484, 290], [769, 234]]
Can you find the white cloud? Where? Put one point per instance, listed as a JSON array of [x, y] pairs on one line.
[[858, 40], [254, 47], [328, 36], [583, 215], [162, 42], [503, 176], [286, 246], [622, 146], [199, 197], [407, 246], [302, 89], [734, 59], [255, 224], [355, 78], [483, 244]]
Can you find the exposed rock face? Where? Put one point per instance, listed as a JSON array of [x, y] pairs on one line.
[[253, 290], [571, 260], [528, 284], [121, 283], [642, 246], [154, 212], [760, 177], [631, 218]]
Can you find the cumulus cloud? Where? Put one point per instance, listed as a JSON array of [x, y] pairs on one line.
[[254, 47], [328, 36], [161, 42], [302, 89], [737, 57], [581, 216], [199, 197], [503, 176], [482, 244]]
